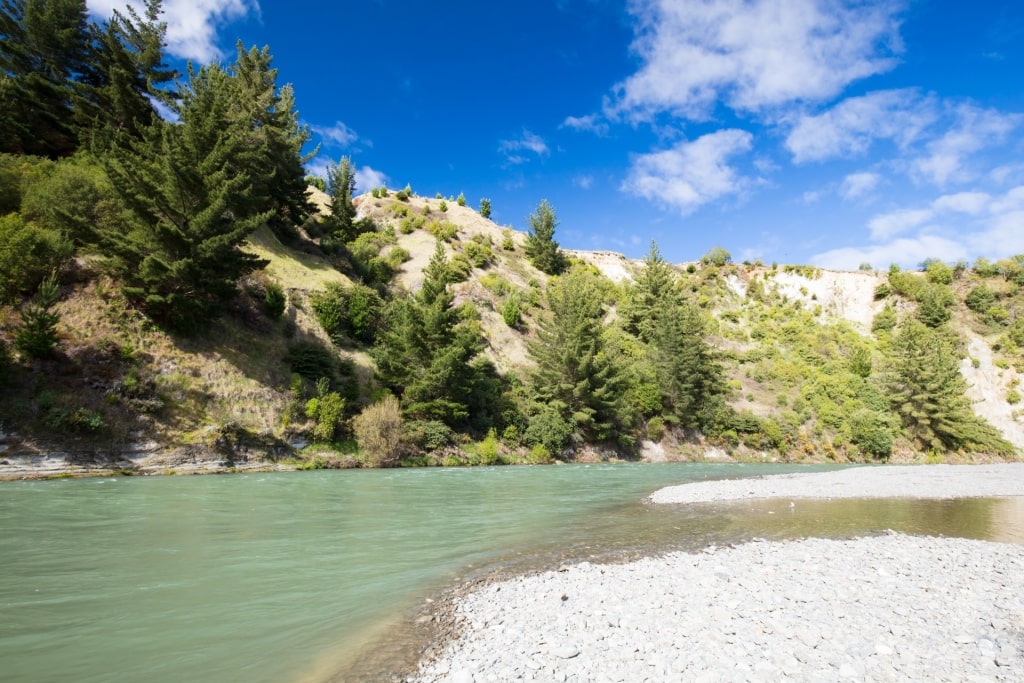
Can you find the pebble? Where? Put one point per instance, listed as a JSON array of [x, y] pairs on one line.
[[948, 609]]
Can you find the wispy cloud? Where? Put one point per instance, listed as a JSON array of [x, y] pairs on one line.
[[584, 182], [514, 150], [192, 25], [752, 54], [857, 185], [972, 130], [962, 225], [338, 135], [849, 128], [690, 174], [368, 178], [590, 123]]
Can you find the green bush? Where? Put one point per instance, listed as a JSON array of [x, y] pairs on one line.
[[548, 429], [1013, 397], [428, 435], [511, 311], [939, 273], [327, 409], [871, 433], [488, 448], [311, 360], [461, 201], [485, 208], [28, 253], [716, 256], [459, 268], [274, 300], [507, 243], [443, 206], [480, 255], [37, 336], [884, 320], [980, 299]]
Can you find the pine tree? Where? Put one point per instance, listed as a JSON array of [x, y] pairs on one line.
[[275, 138], [928, 392], [43, 51], [425, 354], [655, 290], [690, 377], [126, 73], [38, 334], [190, 196], [574, 375], [541, 247], [341, 186]]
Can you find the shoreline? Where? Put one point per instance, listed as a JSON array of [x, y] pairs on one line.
[[881, 481], [882, 607]]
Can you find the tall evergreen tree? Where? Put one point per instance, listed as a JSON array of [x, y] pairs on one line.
[[426, 353], [928, 392], [341, 186], [190, 195], [275, 137], [574, 375], [127, 73], [541, 247], [690, 377], [654, 291], [43, 51]]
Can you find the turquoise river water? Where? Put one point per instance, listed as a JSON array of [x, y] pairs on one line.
[[289, 576]]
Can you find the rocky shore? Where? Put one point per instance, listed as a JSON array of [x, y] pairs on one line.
[[883, 481], [881, 608]]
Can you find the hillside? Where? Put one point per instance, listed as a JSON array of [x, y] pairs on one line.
[[121, 394]]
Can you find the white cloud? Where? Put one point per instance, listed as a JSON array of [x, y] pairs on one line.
[[857, 185], [963, 202], [589, 123], [849, 128], [752, 54], [338, 135], [973, 130], [368, 178], [191, 24], [888, 225], [690, 174], [964, 225], [906, 252], [584, 182], [527, 142], [319, 166]]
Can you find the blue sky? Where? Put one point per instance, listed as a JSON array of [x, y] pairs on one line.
[[832, 132]]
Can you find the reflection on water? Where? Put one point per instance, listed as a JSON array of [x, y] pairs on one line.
[[279, 577]]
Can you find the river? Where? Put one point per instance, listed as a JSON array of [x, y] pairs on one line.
[[287, 576]]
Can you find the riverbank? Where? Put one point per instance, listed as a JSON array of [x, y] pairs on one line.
[[885, 481], [887, 607]]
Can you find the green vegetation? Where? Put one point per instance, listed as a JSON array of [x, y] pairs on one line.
[[172, 280]]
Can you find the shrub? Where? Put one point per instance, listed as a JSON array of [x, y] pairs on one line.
[[871, 433], [939, 273], [274, 300], [865, 266], [488, 448], [656, 428], [428, 435], [37, 336], [480, 255], [461, 201], [459, 268], [443, 206], [716, 256], [1013, 397], [507, 243], [311, 360], [884, 320], [27, 253], [327, 409], [511, 311], [548, 429], [485, 208], [980, 299], [378, 431]]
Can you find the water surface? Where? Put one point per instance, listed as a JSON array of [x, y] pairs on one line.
[[282, 577]]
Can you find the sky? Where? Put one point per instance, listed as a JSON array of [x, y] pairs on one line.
[[829, 132]]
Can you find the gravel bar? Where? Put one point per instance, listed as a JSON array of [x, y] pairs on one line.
[[884, 481], [880, 608], [883, 608]]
